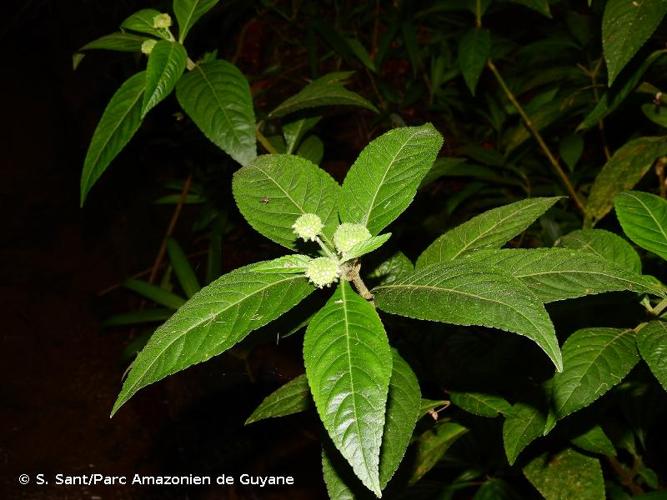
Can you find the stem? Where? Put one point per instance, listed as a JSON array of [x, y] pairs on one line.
[[538, 137], [264, 141], [626, 475], [352, 274], [190, 64], [326, 249], [657, 310], [660, 172], [478, 13]]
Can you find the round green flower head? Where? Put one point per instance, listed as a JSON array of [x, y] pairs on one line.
[[162, 21], [322, 271], [147, 46], [347, 235], [308, 227]]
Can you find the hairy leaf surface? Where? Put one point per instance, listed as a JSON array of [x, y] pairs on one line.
[[481, 404], [523, 424], [293, 397], [643, 217], [604, 244], [652, 344]]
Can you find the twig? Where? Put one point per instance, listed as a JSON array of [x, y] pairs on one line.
[[264, 141], [625, 475], [352, 275]]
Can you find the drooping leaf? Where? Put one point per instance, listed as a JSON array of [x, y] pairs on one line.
[[570, 149], [594, 440], [492, 229], [142, 22], [274, 190], [626, 25], [312, 149], [471, 294], [481, 404], [348, 364], [328, 90], [119, 122], [188, 12], [184, 272], [119, 42], [391, 269], [138, 317], [569, 474], [166, 64], [523, 424], [604, 244], [643, 217], [594, 361], [293, 397], [217, 97], [155, 293], [368, 246], [474, 50], [432, 444], [295, 131], [625, 169], [652, 344], [384, 179], [215, 319]]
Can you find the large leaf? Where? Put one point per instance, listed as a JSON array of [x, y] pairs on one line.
[[594, 361], [479, 403], [626, 25], [643, 217], [119, 42], [559, 273], [142, 22], [523, 424], [604, 244], [328, 90], [652, 344], [121, 119], [431, 445], [474, 50], [471, 294], [625, 169], [274, 190], [348, 364], [384, 179], [215, 319], [293, 397], [567, 475], [188, 12], [492, 229], [217, 97], [166, 64]]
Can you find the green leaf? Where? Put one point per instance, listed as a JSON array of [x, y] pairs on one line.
[[293, 397], [348, 364], [594, 440], [523, 424], [217, 97], [541, 6], [274, 190], [626, 26], [643, 217], [474, 50], [428, 405], [184, 272], [495, 489], [215, 319], [119, 42], [432, 444], [368, 246], [657, 114], [478, 403], [295, 131], [391, 269], [138, 317], [570, 149], [142, 22], [312, 149], [328, 90], [604, 244], [384, 179], [559, 273], [471, 294], [166, 64], [567, 475], [119, 122], [652, 344], [492, 229], [594, 361], [188, 12], [362, 54], [336, 487], [155, 293], [625, 169]]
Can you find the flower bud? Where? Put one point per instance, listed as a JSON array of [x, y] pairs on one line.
[[162, 21], [323, 271], [347, 235], [308, 227], [147, 46]]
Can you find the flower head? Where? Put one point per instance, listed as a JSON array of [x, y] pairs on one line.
[[308, 227], [162, 21], [347, 235], [323, 271], [147, 46]]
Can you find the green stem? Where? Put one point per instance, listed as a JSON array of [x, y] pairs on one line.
[[264, 141]]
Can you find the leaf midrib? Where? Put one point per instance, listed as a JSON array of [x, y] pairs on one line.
[[648, 210]]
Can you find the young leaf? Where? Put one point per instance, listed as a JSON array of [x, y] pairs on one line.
[[119, 122], [142, 22], [569, 474], [626, 25], [471, 294], [184, 272], [594, 361], [652, 344], [594, 440], [325, 91], [523, 424], [293, 397], [474, 50], [391, 269], [368, 246], [166, 64], [155, 293], [643, 217], [295, 131], [492, 229], [119, 42], [217, 97], [384, 179], [188, 12], [625, 169], [215, 319], [274, 190], [312, 149], [478, 403], [604, 244], [432, 444], [348, 364]]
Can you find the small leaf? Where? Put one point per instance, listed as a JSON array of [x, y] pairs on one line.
[[657, 114], [652, 344], [391, 269], [348, 364], [483, 405], [626, 26], [188, 12], [541, 6], [312, 149], [335, 483], [362, 54], [166, 64], [570, 149], [274, 190], [119, 122], [594, 440], [384, 179], [523, 425], [119, 42], [432, 444], [492, 229], [295, 131], [142, 22], [474, 50], [293, 397], [184, 272], [155, 293], [217, 97], [604, 244], [643, 217], [594, 361], [368, 246]]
